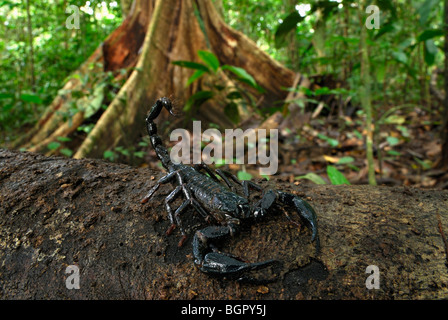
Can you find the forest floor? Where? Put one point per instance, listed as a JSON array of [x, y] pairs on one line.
[[408, 146], [407, 150]]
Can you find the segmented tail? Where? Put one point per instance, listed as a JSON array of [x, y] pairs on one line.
[[161, 151]]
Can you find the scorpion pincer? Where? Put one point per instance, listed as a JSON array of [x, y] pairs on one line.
[[218, 202]]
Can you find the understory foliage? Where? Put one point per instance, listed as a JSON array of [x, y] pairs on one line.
[[391, 88], [323, 37], [38, 52]]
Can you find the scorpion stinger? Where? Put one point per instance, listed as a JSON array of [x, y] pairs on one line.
[[219, 203]]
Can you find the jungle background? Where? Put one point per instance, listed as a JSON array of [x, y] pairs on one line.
[[354, 104]]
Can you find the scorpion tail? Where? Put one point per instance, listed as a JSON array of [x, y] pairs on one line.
[[156, 142]]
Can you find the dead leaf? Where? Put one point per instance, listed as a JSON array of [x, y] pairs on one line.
[[263, 289], [432, 149], [331, 159]]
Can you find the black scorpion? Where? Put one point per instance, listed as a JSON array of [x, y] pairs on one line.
[[216, 201]]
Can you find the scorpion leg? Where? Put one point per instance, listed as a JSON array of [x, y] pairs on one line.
[[224, 173], [249, 184], [189, 200], [213, 174], [204, 166], [165, 179], [179, 210], [197, 206], [211, 261], [171, 197], [175, 217], [246, 184]]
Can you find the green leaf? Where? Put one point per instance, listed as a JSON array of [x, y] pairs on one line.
[[404, 131], [123, 151], [353, 167], [32, 98], [210, 59], [393, 153], [430, 52], [406, 43], [10, 4], [393, 141], [326, 6], [288, 24], [243, 175], [53, 145], [220, 162], [7, 107], [380, 72], [429, 34], [197, 99], [86, 127], [64, 139], [425, 10], [312, 177], [143, 144], [108, 154], [400, 56], [231, 111], [426, 164], [321, 91], [395, 119], [336, 177], [92, 103], [253, 84], [6, 96], [358, 134], [387, 27], [191, 65], [345, 160], [306, 91], [195, 76], [332, 142], [66, 152], [241, 74], [388, 5], [139, 154]]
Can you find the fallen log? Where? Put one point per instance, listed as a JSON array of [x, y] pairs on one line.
[[61, 215]]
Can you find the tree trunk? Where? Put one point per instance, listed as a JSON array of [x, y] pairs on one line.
[[57, 212], [31, 47], [365, 94], [444, 131], [119, 51], [154, 34], [126, 6]]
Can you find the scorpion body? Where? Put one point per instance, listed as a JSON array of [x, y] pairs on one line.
[[218, 202]]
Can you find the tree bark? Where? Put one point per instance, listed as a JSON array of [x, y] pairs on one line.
[[57, 212]]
